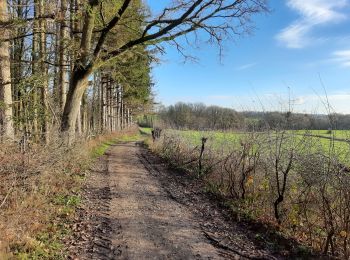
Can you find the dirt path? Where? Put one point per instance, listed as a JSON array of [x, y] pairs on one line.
[[137, 211], [153, 225]]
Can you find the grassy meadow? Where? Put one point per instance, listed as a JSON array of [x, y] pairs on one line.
[[318, 140], [325, 140]]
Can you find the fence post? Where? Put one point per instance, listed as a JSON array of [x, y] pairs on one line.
[[200, 166]]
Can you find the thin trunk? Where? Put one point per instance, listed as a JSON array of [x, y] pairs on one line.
[[17, 69], [118, 108], [94, 105], [102, 116], [121, 109], [128, 117], [114, 105], [98, 104], [5, 78], [57, 69], [44, 73], [104, 100], [35, 50], [63, 37], [121, 114], [124, 115], [110, 116], [107, 104], [85, 113]]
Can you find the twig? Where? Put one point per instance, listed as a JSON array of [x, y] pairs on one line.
[[8, 193]]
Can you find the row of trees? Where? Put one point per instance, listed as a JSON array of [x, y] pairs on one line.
[[42, 45], [201, 117], [59, 57]]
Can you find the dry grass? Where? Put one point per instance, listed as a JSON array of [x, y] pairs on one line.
[[303, 192], [38, 193]]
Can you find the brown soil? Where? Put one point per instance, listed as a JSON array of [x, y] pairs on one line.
[[136, 208]]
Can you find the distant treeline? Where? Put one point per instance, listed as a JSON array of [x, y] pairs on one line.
[[201, 117]]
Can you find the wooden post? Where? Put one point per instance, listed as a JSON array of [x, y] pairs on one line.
[[200, 166]]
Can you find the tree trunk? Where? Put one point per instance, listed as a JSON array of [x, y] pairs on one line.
[[84, 109], [118, 107], [17, 69], [107, 103], [62, 75], [102, 86], [79, 79], [44, 73], [35, 50], [78, 84], [5, 78], [128, 117], [94, 106], [114, 107]]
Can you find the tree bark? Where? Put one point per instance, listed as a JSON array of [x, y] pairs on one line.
[[63, 36], [77, 87], [84, 109], [5, 78], [118, 108], [35, 50], [44, 72], [100, 100], [79, 77], [17, 69]]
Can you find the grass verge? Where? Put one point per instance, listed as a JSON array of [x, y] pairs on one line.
[[40, 191]]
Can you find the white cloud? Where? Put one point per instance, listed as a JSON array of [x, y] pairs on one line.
[[313, 13], [247, 66], [338, 103], [299, 101], [343, 57]]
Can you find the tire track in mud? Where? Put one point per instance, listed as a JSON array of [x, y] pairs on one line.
[[102, 227]]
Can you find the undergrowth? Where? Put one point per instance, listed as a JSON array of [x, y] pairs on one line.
[[40, 191], [277, 179]]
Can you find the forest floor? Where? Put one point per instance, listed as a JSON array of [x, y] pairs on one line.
[[134, 207]]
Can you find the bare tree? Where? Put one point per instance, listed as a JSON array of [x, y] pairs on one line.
[[281, 158], [219, 19]]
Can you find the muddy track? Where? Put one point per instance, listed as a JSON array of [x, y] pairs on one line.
[[136, 209]]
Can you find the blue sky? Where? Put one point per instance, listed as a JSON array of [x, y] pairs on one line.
[[299, 52]]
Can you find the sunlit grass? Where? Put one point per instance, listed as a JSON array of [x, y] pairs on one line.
[[310, 140], [145, 130]]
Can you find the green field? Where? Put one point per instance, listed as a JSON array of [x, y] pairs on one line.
[[145, 130], [310, 141], [315, 140], [339, 134]]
